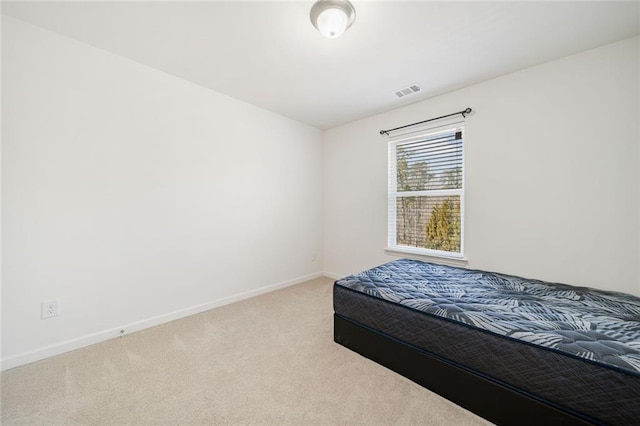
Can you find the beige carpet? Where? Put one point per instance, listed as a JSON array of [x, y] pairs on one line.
[[266, 360]]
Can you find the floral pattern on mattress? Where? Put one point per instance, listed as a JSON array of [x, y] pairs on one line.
[[601, 326]]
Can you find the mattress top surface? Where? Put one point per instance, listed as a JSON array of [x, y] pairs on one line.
[[600, 326]]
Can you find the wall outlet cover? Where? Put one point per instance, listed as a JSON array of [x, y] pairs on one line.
[[50, 308]]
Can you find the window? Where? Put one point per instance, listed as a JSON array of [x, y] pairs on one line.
[[426, 192]]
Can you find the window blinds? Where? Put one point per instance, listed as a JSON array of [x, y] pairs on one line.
[[434, 163], [426, 179]]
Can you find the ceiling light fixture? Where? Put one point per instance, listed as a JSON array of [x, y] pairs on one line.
[[332, 17]]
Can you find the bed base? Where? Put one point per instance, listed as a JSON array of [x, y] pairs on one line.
[[488, 398]]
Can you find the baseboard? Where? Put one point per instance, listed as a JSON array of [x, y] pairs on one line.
[[101, 336], [333, 275]]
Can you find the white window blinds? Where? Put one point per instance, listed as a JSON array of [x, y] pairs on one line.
[[426, 191]]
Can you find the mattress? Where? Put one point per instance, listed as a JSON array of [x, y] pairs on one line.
[[573, 347]]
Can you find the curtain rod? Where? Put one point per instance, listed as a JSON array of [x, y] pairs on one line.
[[464, 112]]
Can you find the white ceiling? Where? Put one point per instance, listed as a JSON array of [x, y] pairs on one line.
[[268, 54]]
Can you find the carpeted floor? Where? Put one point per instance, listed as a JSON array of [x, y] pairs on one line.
[[266, 360]]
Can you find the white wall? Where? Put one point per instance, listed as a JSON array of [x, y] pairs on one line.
[[552, 174], [136, 197]]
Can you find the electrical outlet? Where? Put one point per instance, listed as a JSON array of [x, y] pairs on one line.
[[50, 308]]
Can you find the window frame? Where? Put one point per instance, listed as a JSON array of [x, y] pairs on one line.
[[407, 138]]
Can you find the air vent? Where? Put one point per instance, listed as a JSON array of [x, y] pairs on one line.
[[406, 91]]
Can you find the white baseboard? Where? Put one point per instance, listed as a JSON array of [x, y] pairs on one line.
[[333, 275], [101, 336]]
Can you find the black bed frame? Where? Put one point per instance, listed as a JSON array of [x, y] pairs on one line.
[[495, 401]]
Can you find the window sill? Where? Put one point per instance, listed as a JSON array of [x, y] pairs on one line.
[[445, 260]]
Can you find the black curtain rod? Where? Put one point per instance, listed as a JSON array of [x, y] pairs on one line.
[[464, 114]]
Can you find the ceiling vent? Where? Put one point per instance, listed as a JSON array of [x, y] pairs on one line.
[[406, 91]]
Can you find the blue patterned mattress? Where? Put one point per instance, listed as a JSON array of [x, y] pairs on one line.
[[599, 326]]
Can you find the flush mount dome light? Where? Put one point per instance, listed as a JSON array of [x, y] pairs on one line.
[[332, 17]]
